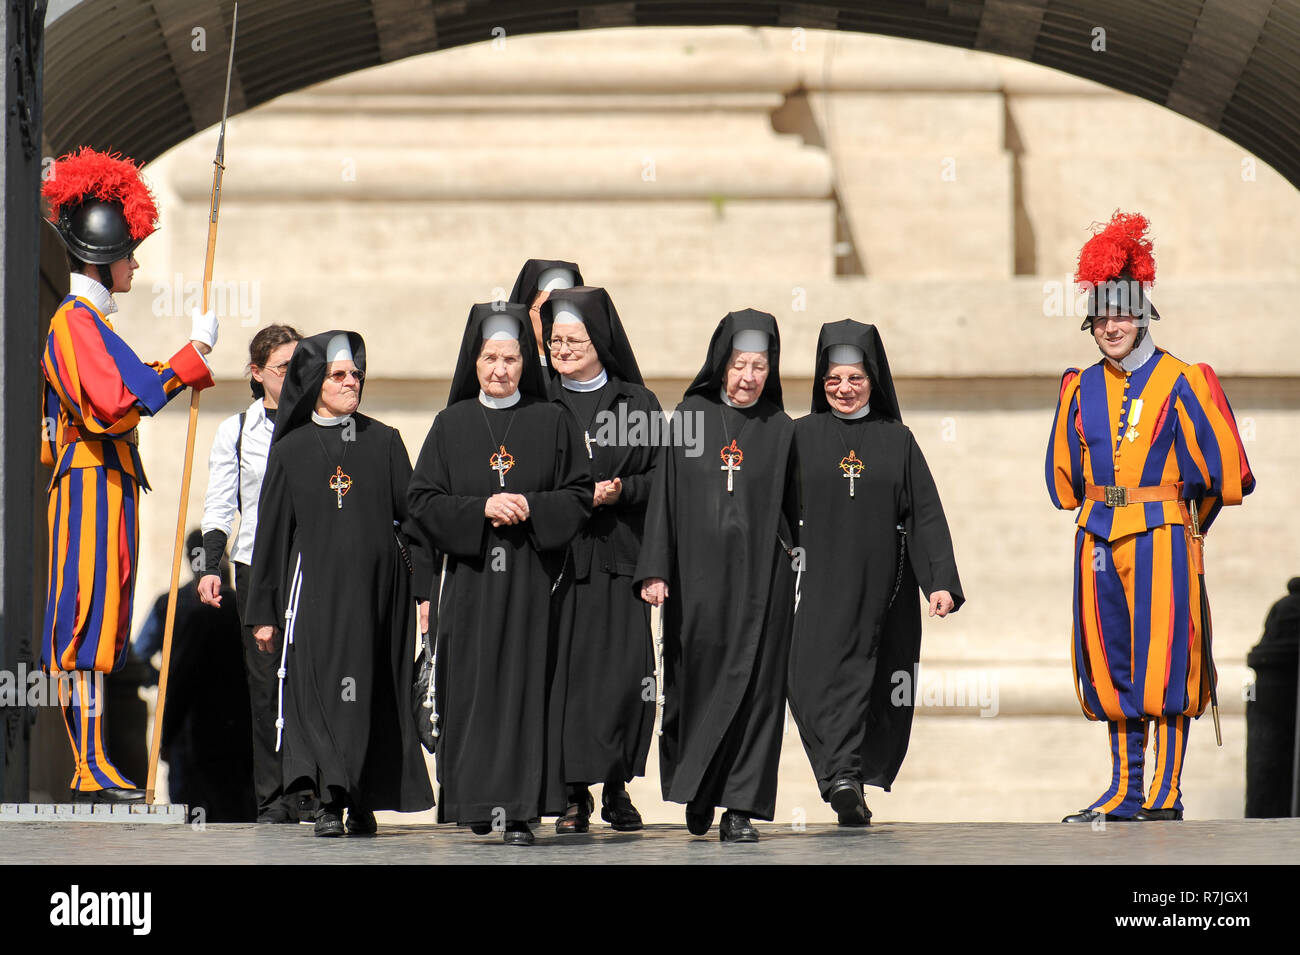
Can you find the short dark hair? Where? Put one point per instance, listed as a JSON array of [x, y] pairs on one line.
[[264, 342]]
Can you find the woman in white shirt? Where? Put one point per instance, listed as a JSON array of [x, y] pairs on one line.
[[236, 467]]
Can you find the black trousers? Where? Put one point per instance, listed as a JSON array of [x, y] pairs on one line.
[[263, 687]]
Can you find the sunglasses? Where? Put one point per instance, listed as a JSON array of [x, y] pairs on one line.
[[338, 377]]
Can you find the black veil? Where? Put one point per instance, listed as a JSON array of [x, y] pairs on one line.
[[883, 401], [709, 381]]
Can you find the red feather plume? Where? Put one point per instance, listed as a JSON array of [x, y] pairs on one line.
[[109, 177], [1120, 248]]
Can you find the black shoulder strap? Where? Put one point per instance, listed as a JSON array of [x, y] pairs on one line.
[[239, 464]]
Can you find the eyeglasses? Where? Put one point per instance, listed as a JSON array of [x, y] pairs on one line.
[[572, 344], [278, 370], [834, 381], [338, 377]]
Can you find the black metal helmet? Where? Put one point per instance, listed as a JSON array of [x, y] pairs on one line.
[[96, 232], [100, 205]]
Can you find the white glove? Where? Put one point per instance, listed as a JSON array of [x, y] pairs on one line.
[[204, 328]]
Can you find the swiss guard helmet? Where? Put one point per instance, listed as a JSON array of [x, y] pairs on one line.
[[100, 206], [1116, 268]]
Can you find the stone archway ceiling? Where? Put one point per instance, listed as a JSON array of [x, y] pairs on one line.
[[123, 74]]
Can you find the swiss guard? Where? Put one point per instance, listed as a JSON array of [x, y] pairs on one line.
[[96, 392], [1146, 446]]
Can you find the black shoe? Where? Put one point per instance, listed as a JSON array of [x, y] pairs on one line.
[[846, 799], [304, 804], [1091, 815], [114, 795], [277, 814], [1158, 815], [698, 822], [736, 827], [361, 822], [480, 828], [518, 834], [617, 810], [328, 822], [577, 815]]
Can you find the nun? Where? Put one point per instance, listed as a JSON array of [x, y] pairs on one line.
[[535, 282], [605, 655], [873, 530], [501, 487], [336, 567], [718, 556]]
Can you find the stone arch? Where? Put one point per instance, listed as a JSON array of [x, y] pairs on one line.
[[132, 76]]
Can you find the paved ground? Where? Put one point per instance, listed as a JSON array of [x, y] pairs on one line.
[[1233, 841]]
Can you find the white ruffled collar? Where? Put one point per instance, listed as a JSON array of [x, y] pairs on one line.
[[83, 286]]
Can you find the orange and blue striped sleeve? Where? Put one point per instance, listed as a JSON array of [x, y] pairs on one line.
[[102, 382], [1064, 467], [1211, 455]]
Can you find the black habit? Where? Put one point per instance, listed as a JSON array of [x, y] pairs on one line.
[[498, 753], [605, 658], [727, 559], [853, 662], [341, 572]]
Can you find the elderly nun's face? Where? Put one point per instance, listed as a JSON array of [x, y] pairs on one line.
[[848, 388], [500, 366], [340, 392], [746, 376], [572, 353]]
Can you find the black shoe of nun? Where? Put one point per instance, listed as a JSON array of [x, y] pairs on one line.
[[846, 799], [361, 822], [698, 819], [329, 822], [617, 810], [577, 815], [736, 827], [518, 834]]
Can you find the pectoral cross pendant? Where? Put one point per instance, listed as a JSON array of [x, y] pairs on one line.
[[340, 484], [731, 458], [852, 467], [501, 462]]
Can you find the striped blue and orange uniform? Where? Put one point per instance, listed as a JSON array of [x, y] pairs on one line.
[[1136, 643], [96, 391]]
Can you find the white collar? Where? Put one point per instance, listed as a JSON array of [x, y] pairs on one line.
[[1138, 357], [255, 415], [731, 404], [487, 401], [591, 384], [329, 422], [83, 286], [860, 413]]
